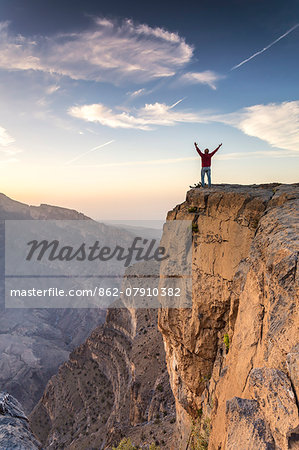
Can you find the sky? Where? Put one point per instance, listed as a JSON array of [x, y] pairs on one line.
[[102, 101]]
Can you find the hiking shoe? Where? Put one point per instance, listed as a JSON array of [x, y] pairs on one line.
[[196, 185]]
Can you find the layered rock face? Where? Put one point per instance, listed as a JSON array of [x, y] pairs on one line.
[[233, 357], [15, 432], [114, 385]]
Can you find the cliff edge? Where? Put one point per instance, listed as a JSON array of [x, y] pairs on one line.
[[233, 358]]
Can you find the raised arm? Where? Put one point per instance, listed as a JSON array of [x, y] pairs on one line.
[[216, 150], [197, 149]]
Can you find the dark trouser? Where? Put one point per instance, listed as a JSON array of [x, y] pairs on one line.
[[205, 170]]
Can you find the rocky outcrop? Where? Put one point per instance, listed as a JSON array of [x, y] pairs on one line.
[[15, 432], [233, 356], [114, 385]]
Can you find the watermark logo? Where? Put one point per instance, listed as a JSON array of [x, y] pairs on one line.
[[85, 264], [55, 251]]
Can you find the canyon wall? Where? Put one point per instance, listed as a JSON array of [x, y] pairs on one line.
[[233, 357], [114, 385]]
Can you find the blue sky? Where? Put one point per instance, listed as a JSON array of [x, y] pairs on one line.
[[102, 101]]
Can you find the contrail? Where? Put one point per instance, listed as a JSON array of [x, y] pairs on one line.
[[265, 48], [176, 103], [89, 151]]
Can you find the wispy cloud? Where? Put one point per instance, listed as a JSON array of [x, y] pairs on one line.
[[136, 93], [256, 155], [108, 51], [275, 123], [52, 88], [265, 48], [157, 32], [16, 51], [144, 118], [88, 151], [5, 138], [207, 77], [221, 157], [7, 147]]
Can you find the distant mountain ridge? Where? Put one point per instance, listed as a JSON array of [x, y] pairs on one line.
[[34, 342], [12, 209]]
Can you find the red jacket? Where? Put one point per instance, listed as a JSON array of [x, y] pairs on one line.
[[206, 158]]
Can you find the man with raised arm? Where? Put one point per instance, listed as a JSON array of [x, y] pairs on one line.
[[206, 163]]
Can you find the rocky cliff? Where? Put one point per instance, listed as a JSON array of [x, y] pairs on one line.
[[233, 358], [15, 432]]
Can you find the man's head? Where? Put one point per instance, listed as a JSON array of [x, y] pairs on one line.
[[206, 151]]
